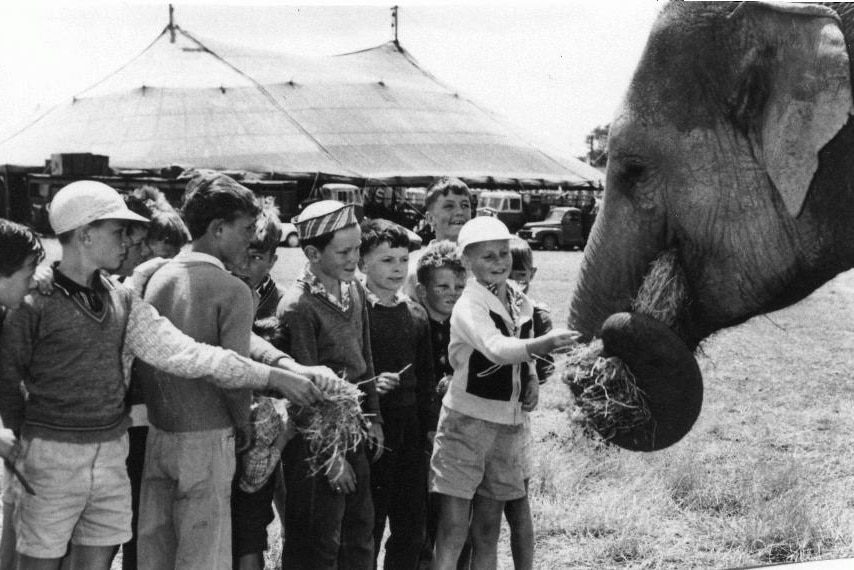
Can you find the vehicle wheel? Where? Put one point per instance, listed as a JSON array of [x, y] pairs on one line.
[[549, 243], [292, 240]]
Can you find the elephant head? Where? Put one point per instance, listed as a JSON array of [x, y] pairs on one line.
[[732, 147]]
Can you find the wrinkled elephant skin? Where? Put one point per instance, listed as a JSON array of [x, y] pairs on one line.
[[733, 146]]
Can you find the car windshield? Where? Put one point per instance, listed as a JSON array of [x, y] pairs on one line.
[[555, 215], [492, 202]]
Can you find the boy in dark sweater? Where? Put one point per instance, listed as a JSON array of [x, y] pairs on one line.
[[441, 280], [20, 253], [400, 342], [329, 519]]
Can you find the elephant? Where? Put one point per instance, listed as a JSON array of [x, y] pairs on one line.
[[734, 147]]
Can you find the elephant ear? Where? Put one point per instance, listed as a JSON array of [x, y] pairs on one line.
[[806, 88]]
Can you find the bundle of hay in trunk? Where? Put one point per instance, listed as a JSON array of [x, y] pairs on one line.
[[607, 399], [654, 404], [331, 427]]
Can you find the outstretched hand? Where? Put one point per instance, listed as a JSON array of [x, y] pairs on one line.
[[563, 337], [298, 389], [387, 381]]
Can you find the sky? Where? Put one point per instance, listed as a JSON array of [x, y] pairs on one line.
[[556, 70]]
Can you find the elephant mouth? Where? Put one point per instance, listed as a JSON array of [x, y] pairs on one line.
[[648, 343]]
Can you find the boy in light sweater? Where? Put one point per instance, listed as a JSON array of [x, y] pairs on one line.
[[72, 352], [185, 508], [477, 453]]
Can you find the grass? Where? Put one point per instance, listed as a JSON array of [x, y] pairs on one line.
[[765, 476]]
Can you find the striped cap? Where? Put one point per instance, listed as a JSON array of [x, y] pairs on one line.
[[323, 217]]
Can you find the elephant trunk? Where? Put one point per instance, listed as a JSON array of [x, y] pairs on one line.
[[647, 338]]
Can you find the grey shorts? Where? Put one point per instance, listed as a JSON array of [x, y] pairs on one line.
[[473, 456]]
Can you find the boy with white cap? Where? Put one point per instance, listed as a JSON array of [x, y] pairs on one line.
[[329, 520], [477, 462], [72, 351]]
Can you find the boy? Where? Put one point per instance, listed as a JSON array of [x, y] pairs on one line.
[[441, 280], [262, 258], [447, 207], [259, 467], [72, 350], [324, 317], [20, 253], [400, 343], [185, 508], [476, 463], [518, 511]]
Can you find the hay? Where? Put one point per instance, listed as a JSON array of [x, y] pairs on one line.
[[332, 427], [663, 295], [608, 401]]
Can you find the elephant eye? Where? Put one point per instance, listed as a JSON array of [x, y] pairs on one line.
[[633, 171]]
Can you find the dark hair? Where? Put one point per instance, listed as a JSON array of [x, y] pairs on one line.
[[268, 228], [166, 223], [443, 187], [137, 206], [439, 255], [215, 196], [523, 257], [379, 231], [17, 243]]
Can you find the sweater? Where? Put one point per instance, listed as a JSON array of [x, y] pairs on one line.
[[75, 366], [316, 331], [400, 338], [486, 352], [206, 302]]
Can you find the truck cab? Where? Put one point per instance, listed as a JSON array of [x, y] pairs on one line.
[[504, 205], [562, 229]]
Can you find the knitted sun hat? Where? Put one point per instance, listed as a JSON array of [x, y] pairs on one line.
[[324, 217]]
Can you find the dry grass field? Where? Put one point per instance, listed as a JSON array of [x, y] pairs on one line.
[[767, 475]]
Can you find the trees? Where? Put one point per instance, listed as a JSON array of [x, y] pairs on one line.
[[597, 145]]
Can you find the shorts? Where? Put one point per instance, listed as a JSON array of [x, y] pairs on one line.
[[473, 456], [82, 495], [527, 448], [251, 514]]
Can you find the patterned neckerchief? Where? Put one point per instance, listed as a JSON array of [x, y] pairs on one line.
[[311, 282], [514, 300]]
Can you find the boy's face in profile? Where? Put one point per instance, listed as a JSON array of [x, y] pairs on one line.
[[385, 268], [340, 258], [489, 261], [138, 250], [15, 287], [259, 266], [448, 214], [107, 244], [441, 292], [234, 238]]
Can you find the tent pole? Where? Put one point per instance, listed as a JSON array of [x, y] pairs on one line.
[[394, 25], [171, 25]]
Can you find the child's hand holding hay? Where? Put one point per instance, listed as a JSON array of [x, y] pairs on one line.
[[332, 427]]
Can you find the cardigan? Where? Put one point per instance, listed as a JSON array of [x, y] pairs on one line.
[[487, 350]]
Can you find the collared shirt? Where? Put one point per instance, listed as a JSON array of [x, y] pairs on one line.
[[316, 287], [374, 300], [259, 461], [514, 300], [91, 299]]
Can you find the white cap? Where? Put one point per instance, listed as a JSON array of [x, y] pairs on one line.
[[87, 201], [480, 229]]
